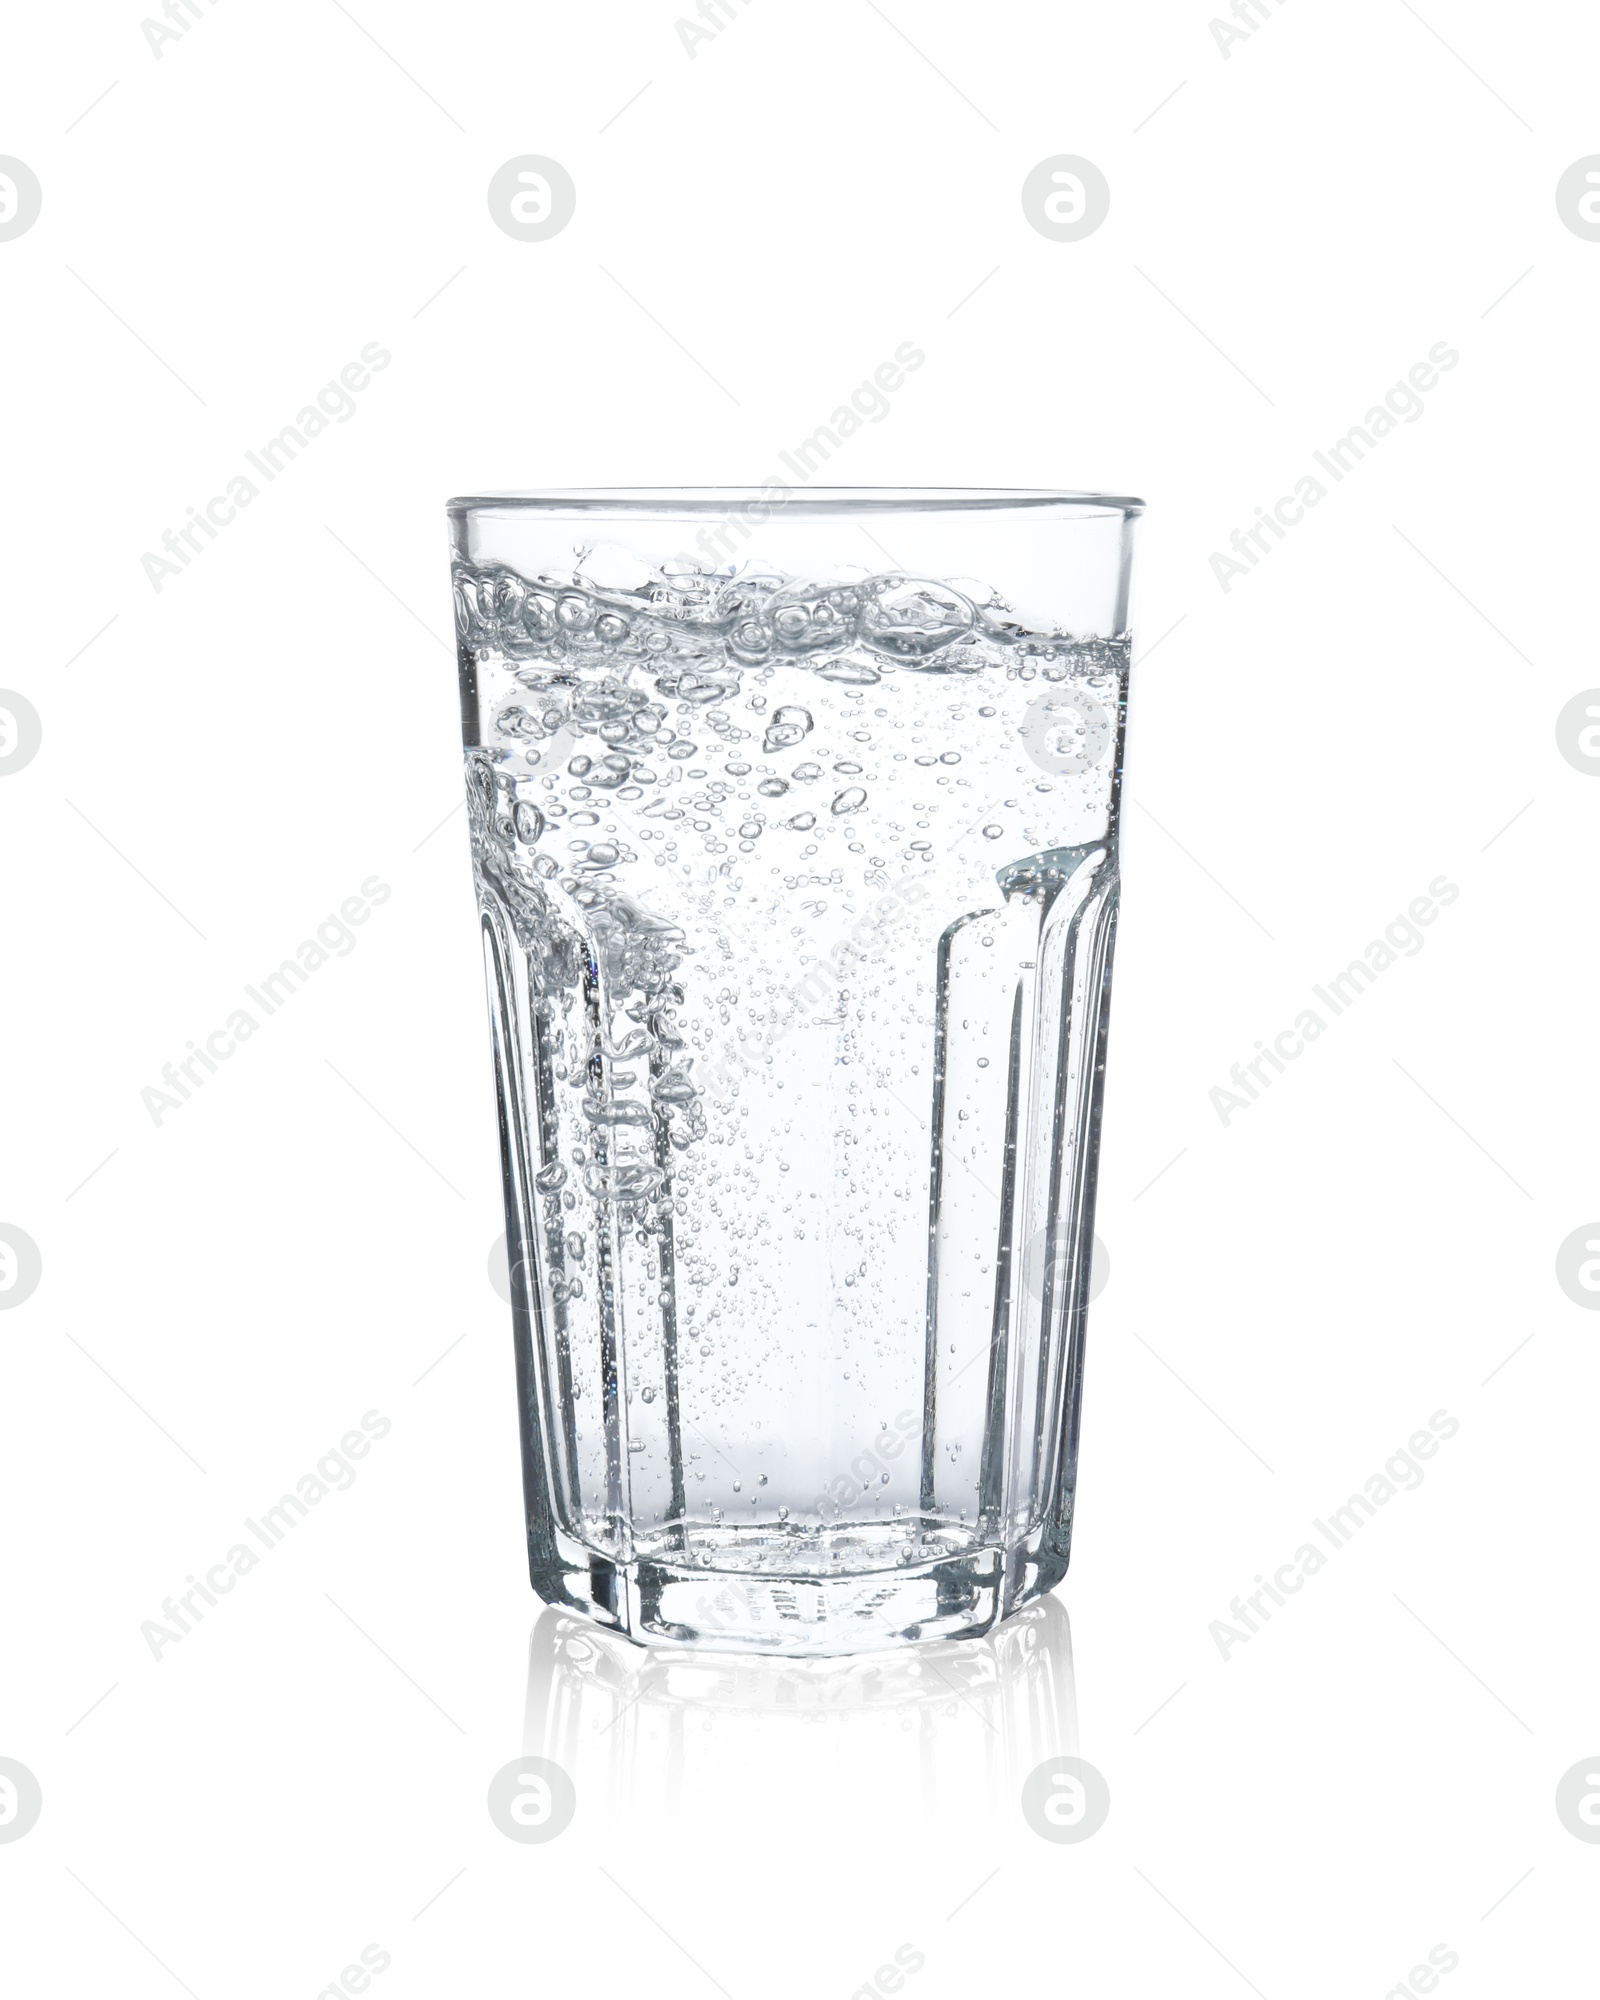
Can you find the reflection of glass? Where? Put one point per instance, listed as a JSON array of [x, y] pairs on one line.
[[794, 823], [666, 1735]]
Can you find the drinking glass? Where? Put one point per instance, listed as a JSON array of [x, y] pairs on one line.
[[794, 823]]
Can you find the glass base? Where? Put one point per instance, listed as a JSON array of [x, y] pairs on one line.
[[657, 1601]]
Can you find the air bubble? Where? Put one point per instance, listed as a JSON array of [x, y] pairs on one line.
[[788, 727]]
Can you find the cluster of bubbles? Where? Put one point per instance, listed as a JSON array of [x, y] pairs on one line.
[[688, 623], [641, 1098]]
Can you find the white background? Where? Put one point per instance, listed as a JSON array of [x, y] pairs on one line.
[[225, 761]]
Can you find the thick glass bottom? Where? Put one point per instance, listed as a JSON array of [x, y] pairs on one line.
[[797, 1610]]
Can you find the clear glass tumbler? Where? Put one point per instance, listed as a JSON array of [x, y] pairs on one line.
[[794, 826]]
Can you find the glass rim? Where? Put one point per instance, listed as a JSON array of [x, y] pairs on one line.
[[814, 500]]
